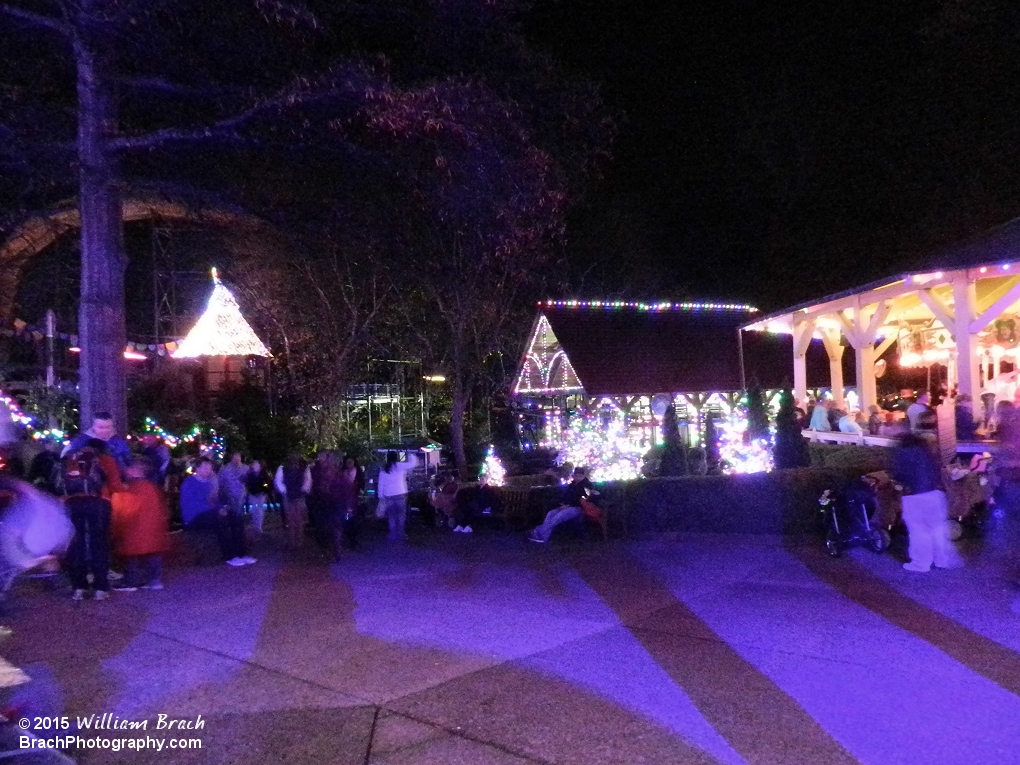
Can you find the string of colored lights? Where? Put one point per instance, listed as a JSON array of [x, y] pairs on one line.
[[20, 417], [208, 439], [493, 469], [609, 451], [543, 351], [737, 454], [608, 305]]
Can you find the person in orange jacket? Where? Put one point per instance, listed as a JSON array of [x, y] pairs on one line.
[[142, 523]]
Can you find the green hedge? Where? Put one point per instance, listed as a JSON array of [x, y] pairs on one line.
[[866, 459], [780, 502]]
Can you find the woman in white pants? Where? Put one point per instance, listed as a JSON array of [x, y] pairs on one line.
[[925, 513]]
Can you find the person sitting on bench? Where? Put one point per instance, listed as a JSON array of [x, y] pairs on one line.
[[570, 506]]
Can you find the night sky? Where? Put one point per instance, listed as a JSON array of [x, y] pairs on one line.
[[778, 151]]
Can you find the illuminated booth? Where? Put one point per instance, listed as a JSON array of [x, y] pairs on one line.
[[621, 365]]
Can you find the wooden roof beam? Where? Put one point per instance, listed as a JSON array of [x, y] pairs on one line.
[[938, 309], [996, 309]]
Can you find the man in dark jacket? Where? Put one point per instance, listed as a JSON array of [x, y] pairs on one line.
[[925, 513], [578, 488]]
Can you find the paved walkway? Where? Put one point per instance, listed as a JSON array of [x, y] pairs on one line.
[[487, 650]]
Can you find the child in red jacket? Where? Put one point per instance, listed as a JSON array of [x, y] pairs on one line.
[[143, 521]]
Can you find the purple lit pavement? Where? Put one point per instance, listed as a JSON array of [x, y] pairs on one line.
[[485, 649]]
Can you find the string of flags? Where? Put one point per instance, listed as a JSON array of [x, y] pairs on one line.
[[24, 330], [221, 330]]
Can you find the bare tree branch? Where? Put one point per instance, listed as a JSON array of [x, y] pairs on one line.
[[36, 18], [167, 86], [225, 127]]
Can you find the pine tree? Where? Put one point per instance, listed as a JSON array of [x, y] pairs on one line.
[[791, 449], [674, 455], [711, 444], [757, 413]]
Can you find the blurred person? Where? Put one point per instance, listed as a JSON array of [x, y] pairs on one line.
[[1007, 458], [293, 481], [820, 416], [232, 477], [392, 491], [83, 481], [35, 528], [104, 429], [875, 420], [144, 527], [920, 406], [917, 469], [45, 466], [850, 423], [351, 486], [157, 452], [259, 487], [204, 508], [444, 499], [966, 426]]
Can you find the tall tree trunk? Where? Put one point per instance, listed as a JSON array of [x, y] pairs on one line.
[[101, 326], [458, 409]]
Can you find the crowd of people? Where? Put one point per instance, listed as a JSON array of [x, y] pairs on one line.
[[117, 501]]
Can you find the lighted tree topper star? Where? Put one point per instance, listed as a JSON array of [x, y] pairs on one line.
[[221, 330]]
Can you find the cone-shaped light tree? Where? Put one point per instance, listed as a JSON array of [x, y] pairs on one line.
[[221, 330]]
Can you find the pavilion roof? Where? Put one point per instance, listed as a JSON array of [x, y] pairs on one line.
[[991, 258], [627, 351]]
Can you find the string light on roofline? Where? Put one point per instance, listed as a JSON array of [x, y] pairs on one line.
[[616, 305]]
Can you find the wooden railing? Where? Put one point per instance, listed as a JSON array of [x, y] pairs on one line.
[[862, 439]]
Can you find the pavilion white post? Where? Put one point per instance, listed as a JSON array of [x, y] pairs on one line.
[[867, 386], [835, 352], [864, 347], [802, 333], [967, 360]]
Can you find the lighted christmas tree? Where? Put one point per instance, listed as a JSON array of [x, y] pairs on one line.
[[606, 449], [493, 469], [221, 330]]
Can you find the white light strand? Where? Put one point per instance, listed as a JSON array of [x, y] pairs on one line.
[[221, 330]]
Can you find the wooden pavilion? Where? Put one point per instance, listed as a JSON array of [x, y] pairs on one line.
[[961, 311]]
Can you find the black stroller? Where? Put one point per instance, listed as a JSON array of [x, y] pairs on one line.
[[847, 517]]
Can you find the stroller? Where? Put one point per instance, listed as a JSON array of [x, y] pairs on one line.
[[849, 518], [968, 496]]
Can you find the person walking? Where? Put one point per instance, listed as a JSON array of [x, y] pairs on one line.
[[392, 491], [258, 487], [82, 481], [348, 491], [294, 483], [917, 469]]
